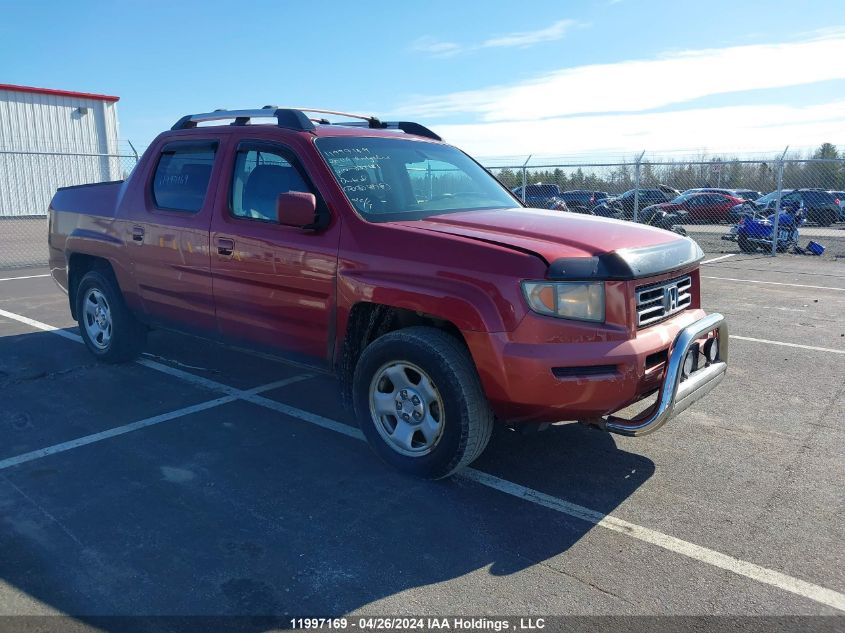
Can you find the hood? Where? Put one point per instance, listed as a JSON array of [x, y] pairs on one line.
[[558, 235]]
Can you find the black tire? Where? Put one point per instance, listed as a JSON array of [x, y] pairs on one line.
[[826, 217], [467, 418], [745, 246], [127, 334]]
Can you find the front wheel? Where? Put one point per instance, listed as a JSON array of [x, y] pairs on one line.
[[420, 404], [109, 329]]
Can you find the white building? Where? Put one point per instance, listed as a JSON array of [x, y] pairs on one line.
[[53, 138]]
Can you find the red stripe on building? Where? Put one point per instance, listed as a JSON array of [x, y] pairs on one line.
[[58, 93]]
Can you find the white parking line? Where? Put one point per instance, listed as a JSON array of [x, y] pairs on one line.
[[774, 283], [114, 432], [178, 373], [25, 277], [718, 259], [691, 550], [307, 416], [236, 394], [38, 325], [796, 586], [783, 344]]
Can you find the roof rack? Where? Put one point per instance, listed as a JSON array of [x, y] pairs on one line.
[[288, 118], [296, 119], [409, 127]]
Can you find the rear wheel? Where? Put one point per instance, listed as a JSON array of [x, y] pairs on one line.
[[109, 329], [420, 404]]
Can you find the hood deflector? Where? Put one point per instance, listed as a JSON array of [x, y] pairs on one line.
[[628, 263]]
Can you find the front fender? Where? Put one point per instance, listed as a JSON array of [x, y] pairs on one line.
[[462, 301]]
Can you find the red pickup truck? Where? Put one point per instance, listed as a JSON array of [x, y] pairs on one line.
[[375, 250]]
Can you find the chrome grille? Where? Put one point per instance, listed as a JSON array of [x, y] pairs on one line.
[[659, 301]]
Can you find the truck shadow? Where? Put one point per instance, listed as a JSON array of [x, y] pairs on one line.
[[243, 515]]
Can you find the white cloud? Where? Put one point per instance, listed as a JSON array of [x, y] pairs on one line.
[[523, 39], [638, 85], [528, 38], [737, 128], [435, 47]]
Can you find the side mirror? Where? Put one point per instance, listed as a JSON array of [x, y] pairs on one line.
[[296, 208]]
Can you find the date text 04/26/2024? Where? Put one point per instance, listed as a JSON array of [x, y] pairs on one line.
[[419, 624]]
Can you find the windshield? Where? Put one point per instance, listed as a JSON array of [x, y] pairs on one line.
[[684, 197], [771, 196], [389, 179]]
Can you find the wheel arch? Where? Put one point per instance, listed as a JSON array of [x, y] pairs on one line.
[[368, 321], [78, 265]]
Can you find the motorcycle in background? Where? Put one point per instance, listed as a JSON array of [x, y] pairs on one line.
[[754, 231]]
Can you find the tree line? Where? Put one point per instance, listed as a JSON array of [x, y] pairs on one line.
[[719, 171]]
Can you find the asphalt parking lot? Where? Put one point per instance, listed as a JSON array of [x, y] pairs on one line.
[[204, 480]]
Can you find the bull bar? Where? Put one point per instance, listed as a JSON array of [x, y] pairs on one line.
[[675, 395]]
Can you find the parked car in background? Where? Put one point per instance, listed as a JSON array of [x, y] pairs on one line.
[[623, 205], [727, 192], [747, 194], [744, 194], [841, 196], [583, 200], [696, 207], [750, 207], [820, 206], [542, 196]]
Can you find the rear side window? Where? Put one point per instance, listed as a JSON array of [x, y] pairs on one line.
[[182, 176], [818, 197]]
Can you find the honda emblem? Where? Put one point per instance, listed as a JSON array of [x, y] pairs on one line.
[[670, 298]]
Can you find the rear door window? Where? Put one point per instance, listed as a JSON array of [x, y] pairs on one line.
[[182, 175]]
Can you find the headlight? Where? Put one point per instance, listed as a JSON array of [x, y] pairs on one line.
[[567, 300]]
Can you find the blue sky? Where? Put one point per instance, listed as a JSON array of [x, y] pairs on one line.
[[497, 78]]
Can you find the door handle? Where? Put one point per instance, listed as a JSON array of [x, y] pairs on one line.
[[138, 234], [225, 247]]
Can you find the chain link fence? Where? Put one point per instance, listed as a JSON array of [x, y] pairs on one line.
[[703, 198], [28, 180], [726, 205]]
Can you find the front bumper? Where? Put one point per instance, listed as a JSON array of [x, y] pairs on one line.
[[675, 393], [549, 371]]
